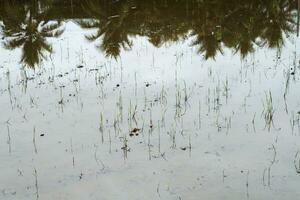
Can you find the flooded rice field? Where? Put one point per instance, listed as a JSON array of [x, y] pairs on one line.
[[149, 99]]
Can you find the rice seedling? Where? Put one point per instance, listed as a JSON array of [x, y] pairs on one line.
[[199, 116], [253, 122], [98, 161], [101, 127], [295, 121], [8, 138], [125, 147], [268, 169], [34, 141], [72, 152], [268, 111], [297, 162], [247, 184], [36, 183], [226, 89]]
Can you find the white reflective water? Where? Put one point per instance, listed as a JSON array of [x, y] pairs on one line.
[[156, 123]]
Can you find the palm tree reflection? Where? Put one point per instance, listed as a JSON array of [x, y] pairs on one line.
[[112, 28], [240, 25], [24, 27], [214, 24]]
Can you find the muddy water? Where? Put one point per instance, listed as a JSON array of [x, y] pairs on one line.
[[149, 100]]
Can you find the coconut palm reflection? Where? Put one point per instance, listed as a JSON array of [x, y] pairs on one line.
[[279, 18], [24, 27], [111, 26], [213, 25], [240, 25]]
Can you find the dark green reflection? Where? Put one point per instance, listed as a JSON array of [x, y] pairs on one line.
[[213, 24], [26, 26]]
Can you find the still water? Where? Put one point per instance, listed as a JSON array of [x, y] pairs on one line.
[[149, 99]]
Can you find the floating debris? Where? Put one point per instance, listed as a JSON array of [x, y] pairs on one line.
[[135, 130]]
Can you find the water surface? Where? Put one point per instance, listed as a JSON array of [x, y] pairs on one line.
[[149, 99]]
